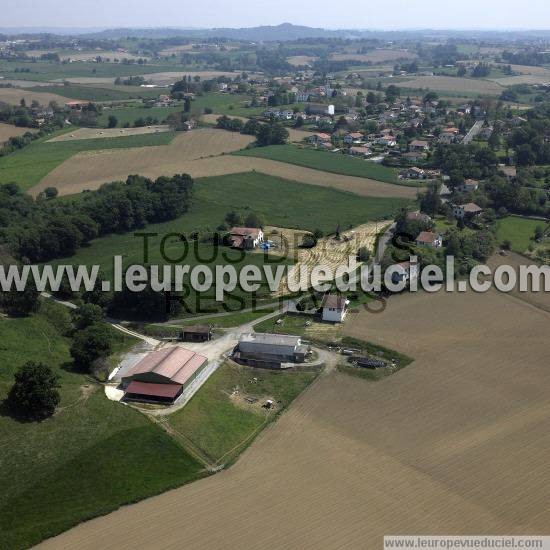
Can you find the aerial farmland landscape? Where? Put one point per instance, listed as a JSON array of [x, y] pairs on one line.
[[269, 284]]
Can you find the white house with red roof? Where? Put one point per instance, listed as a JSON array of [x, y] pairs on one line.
[[246, 238], [334, 308]]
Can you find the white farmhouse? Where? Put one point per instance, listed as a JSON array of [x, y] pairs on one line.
[[334, 308]]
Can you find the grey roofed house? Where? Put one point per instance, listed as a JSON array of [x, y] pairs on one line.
[[269, 350]]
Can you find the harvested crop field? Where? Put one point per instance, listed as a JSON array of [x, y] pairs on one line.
[[376, 56], [456, 443], [8, 130], [524, 79], [453, 84], [301, 60], [94, 133], [13, 96], [90, 170]]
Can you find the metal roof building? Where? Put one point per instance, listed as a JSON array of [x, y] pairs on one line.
[[163, 374], [270, 350]]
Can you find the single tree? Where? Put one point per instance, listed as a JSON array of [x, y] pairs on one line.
[[34, 394]]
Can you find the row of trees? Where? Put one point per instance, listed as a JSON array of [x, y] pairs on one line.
[[271, 133], [38, 230]]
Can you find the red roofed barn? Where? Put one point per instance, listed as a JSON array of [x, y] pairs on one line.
[[162, 375]]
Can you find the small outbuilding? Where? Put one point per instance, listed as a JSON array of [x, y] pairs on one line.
[[334, 308], [196, 333]]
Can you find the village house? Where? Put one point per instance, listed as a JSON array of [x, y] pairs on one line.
[[468, 210], [413, 156], [428, 238], [413, 173], [189, 125], [334, 308], [245, 238], [419, 145], [387, 141], [353, 137], [318, 138], [320, 109], [418, 217], [469, 185], [404, 271], [360, 151]]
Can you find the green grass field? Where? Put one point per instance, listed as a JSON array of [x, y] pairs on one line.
[[88, 459], [225, 104], [218, 102], [28, 166], [281, 202], [327, 162], [222, 428], [44, 71], [519, 231], [99, 93], [131, 114]]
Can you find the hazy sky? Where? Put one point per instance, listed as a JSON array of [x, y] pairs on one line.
[[374, 14]]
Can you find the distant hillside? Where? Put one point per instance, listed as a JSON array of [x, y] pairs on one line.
[[285, 31]]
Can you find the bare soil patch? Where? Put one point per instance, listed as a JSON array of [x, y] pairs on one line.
[[456, 443]]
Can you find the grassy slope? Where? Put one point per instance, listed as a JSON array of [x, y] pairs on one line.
[[519, 231], [220, 428], [29, 165], [218, 102], [98, 93], [321, 160], [92, 456], [281, 202], [46, 71]]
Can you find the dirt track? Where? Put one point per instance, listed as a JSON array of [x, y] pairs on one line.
[[90, 170], [456, 443]]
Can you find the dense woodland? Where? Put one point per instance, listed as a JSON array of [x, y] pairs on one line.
[[39, 230]]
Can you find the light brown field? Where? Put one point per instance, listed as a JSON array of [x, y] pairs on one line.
[[94, 133], [107, 54], [376, 56], [456, 443], [173, 76], [453, 84], [189, 153], [13, 96], [527, 69], [329, 251], [524, 79], [8, 130], [301, 60]]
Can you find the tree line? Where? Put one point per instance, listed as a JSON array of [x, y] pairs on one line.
[[39, 230]]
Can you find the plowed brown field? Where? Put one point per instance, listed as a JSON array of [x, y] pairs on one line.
[[456, 443]]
